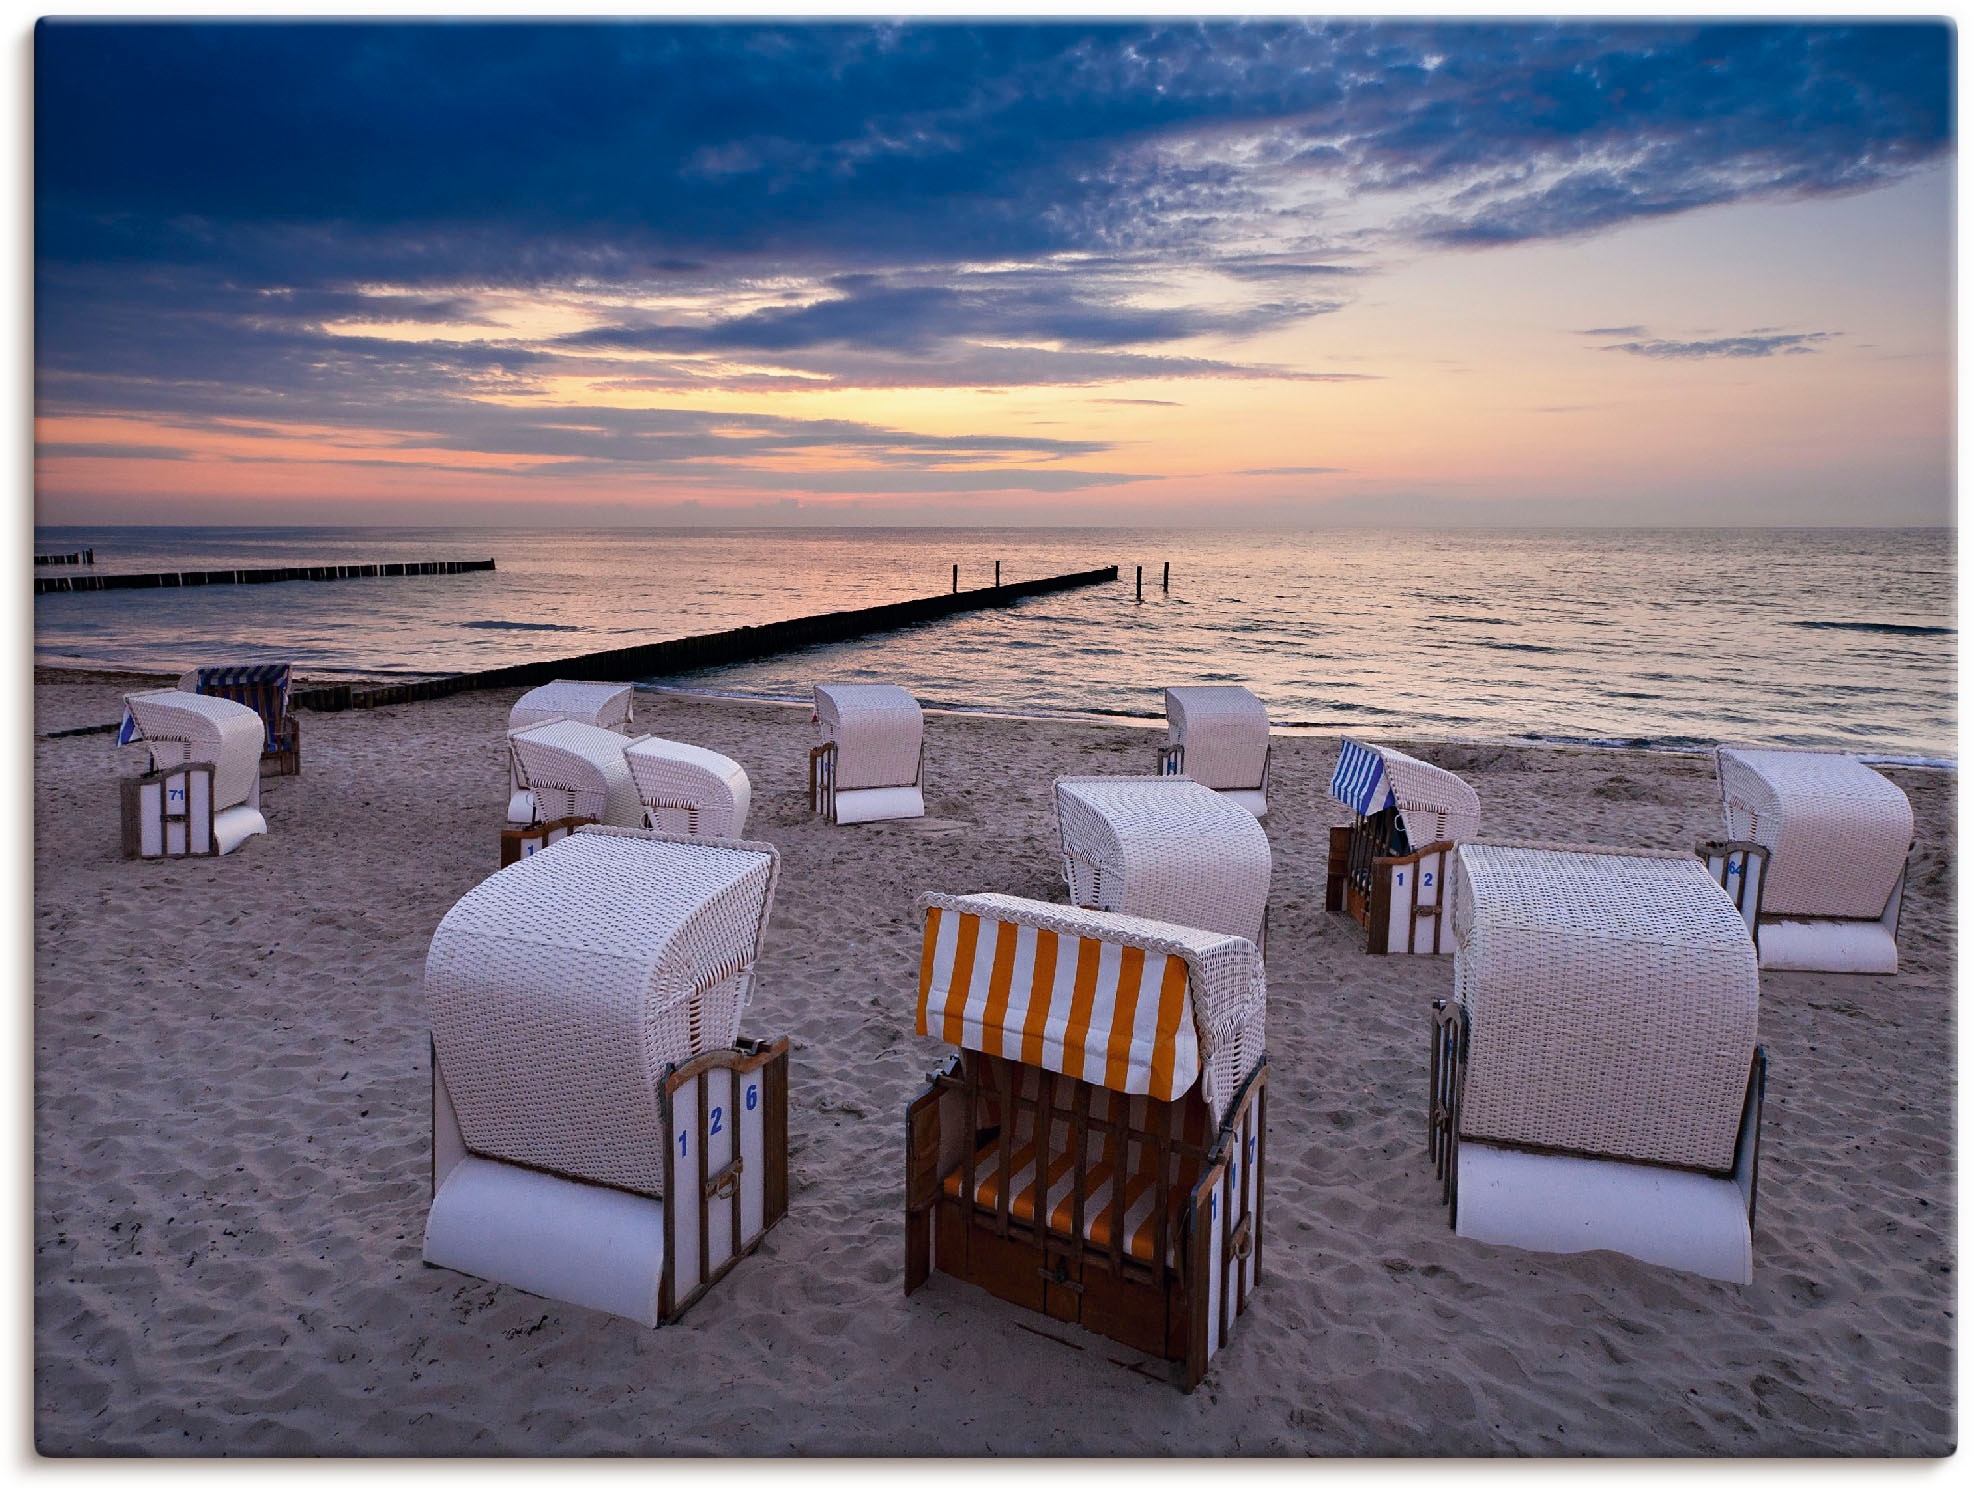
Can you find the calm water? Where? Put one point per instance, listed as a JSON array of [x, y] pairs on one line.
[[1842, 638]]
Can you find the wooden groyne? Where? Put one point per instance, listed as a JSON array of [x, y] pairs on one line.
[[84, 556], [48, 583], [686, 653]]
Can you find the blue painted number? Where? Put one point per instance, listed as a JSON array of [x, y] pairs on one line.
[[683, 1140], [717, 1114], [753, 1098], [1428, 879]]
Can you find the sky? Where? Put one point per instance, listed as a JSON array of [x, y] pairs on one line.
[[1276, 273]]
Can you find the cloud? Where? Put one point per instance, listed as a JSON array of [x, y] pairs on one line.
[[1790, 343], [1294, 471], [104, 450]]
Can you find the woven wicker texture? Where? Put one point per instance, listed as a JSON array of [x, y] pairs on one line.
[[584, 761], [561, 988], [192, 727], [1223, 728], [1226, 986], [1836, 832], [1164, 847], [689, 789], [879, 732], [605, 705], [1613, 1001], [1437, 807]]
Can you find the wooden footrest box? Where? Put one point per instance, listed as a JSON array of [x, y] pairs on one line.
[[517, 844]]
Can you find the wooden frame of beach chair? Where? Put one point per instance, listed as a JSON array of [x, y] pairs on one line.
[[262, 687], [1221, 719], [1838, 840], [629, 1146], [1620, 989], [1741, 869], [517, 844], [167, 814], [884, 719], [1379, 875], [1144, 1223]]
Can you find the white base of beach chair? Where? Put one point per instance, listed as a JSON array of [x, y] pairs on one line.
[[520, 808], [878, 804], [235, 825], [583, 1244], [1828, 946], [1254, 801], [1675, 1218]]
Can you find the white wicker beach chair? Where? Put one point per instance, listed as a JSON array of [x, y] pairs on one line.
[[1387, 870], [688, 789], [1837, 836], [605, 705], [868, 764], [262, 687], [1596, 1080], [1097, 1150], [601, 1135], [1219, 738], [576, 770], [1167, 848], [202, 792]]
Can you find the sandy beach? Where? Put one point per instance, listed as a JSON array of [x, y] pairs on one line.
[[232, 1142]]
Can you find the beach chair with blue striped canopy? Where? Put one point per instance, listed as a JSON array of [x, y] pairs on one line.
[[1387, 869], [1096, 1150], [262, 687]]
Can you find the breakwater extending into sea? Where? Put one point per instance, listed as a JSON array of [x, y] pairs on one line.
[[1842, 639]]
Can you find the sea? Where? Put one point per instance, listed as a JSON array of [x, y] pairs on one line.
[[1840, 639]]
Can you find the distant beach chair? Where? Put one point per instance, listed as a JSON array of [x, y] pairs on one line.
[[1126, 1056], [1165, 848], [202, 793], [600, 1133], [1218, 737], [1837, 836], [1387, 870], [868, 764], [604, 705], [262, 687], [1595, 1079], [688, 789], [572, 774]]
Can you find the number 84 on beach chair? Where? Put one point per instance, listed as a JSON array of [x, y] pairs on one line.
[[1387, 870], [1097, 1149]]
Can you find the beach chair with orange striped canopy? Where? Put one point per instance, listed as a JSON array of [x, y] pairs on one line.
[[1096, 1150]]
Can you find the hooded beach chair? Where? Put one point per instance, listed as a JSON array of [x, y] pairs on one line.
[[572, 774], [1166, 848], [1596, 1081], [1836, 835], [868, 764], [1387, 869], [600, 1133], [202, 793], [604, 705], [262, 687], [1096, 1151], [1219, 738], [688, 789]]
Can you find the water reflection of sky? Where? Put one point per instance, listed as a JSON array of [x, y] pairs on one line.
[[1832, 637]]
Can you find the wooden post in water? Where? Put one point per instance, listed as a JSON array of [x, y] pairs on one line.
[[1168, 576], [955, 579], [996, 574], [1140, 584]]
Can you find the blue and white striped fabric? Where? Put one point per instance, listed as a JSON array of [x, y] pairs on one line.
[[246, 675], [127, 731], [1359, 781]]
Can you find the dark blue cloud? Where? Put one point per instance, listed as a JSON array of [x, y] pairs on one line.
[[1770, 345]]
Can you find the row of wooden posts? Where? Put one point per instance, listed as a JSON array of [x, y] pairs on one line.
[[1140, 579]]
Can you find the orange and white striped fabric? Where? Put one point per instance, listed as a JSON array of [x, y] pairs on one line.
[[1099, 1011]]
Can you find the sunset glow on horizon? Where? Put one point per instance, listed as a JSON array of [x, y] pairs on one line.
[[1269, 273]]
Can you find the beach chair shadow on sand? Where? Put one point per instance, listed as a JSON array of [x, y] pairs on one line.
[[600, 1132], [1595, 1079], [1097, 1149], [1387, 870]]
